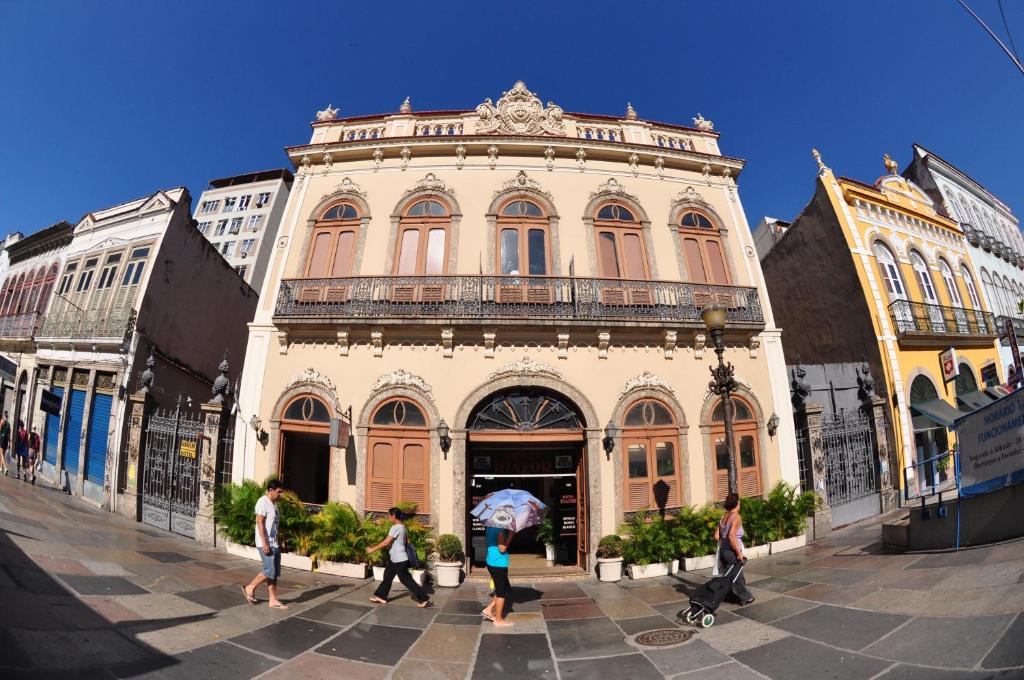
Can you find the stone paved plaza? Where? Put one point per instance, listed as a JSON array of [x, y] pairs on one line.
[[87, 594]]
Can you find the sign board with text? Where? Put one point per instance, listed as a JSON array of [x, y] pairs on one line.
[[948, 363], [991, 445], [49, 403]]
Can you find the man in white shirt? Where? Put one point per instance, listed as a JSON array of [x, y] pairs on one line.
[[268, 546]]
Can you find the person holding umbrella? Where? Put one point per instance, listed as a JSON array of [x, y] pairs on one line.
[[504, 513]]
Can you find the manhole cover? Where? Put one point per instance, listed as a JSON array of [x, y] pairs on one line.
[[663, 638]]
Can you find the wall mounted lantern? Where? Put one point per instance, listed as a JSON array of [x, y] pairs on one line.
[[443, 438]]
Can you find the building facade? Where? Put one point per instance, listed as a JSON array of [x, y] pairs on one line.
[[240, 216], [992, 232], [136, 280], [878, 283], [511, 296]]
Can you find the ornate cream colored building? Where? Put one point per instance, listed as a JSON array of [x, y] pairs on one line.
[[511, 295]]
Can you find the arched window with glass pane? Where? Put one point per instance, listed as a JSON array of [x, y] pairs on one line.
[[333, 246], [972, 291], [890, 272], [702, 249], [951, 288], [652, 476], [423, 236], [398, 457], [524, 247], [745, 447], [621, 253], [924, 279]]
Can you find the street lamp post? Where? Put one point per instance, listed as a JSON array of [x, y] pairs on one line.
[[723, 383]]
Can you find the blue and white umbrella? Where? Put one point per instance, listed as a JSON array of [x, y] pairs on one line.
[[512, 509]]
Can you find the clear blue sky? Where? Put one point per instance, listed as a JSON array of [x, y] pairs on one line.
[[106, 101]]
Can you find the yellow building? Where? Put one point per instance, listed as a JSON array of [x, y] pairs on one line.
[[874, 274]]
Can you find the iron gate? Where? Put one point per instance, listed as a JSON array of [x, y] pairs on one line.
[[170, 481], [849, 447]]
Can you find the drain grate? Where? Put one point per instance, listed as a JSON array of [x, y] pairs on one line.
[[663, 638]]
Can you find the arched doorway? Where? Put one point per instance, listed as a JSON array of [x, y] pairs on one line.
[[398, 457], [745, 448], [930, 436], [304, 452], [530, 438]]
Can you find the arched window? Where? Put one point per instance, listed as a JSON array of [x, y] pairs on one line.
[[621, 253], [398, 460], [745, 447], [965, 381], [422, 246], [333, 246], [19, 295], [523, 240], [307, 410], [972, 291], [924, 278], [650, 443], [951, 288], [702, 249], [890, 272]]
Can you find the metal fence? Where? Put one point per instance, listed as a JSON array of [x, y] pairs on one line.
[[849, 447], [170, 478], [919, 317]]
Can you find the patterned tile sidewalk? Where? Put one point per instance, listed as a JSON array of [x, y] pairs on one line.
[[86, 594]]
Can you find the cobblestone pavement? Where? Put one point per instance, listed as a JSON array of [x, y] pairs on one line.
[[86, 594]]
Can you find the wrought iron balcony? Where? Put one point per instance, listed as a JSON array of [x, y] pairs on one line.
[[19, 326], [1018, 329], [972, 234], [918, 319], [475, 298], [114, 325]]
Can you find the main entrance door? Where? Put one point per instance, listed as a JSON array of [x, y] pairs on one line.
[[170, 476], [531, 439]]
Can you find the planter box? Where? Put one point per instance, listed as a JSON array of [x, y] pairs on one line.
[[448, 574], [294, 561], [246, 551], [791, 543], [378, 573], [609, 570], [755, 551], [343, 569], [673, 566], [695, 563], [638, 571]]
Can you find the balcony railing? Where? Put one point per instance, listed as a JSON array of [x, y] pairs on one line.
[[1018, 329], [512, 297], [922, 318], [19, 326], [74, 324]]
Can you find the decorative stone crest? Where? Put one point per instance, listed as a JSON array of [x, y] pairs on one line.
[[311, 376], [634, 164], [492, 156], [221, 384], [613, 188], [430, 182], [646, 381], [460, 156], [521, 181], [630, 111], [406, 106], [688, 195], [549, 158], [702, 123], [327, 114], [406, 155], [347, 186], [519, 112], [378, 158], [401, 378], [525, 366]]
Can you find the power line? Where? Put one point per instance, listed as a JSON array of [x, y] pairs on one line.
[[995, 37], [1007, 27]]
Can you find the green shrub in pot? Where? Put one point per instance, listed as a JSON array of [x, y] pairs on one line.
[[234, 511], [648, 541], [787, 509], [610, 547], [338, 534], [449, 549]]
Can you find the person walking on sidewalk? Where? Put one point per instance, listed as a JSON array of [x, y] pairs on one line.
[[21, 449], [729, 535], [497, 565], [398, 562], [268, 543], [5, 441], [33, 453]]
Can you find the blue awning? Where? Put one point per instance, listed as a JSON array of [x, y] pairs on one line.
[[937, 410]]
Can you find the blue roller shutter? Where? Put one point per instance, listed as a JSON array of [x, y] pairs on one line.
[[73, 431], [99, 428], [53, 431]]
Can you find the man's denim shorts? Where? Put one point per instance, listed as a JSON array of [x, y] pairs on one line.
[[271, 563]]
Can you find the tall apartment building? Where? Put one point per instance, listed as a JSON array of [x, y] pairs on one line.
[[240, 215]]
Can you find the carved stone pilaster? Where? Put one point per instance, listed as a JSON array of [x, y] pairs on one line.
[[343, 341], [130, 500], [581, 159], [377, 341], [819, 468], [634, 164], [659, 166], [447, 342], [214, 417], [549, 158], [282, 342], [378, 158], [492, 156], [490, 337], [699, 342], [755, 343], [670, 343], [604, 338], [406, 154], [875, 407], [563, 344], [460, 156]]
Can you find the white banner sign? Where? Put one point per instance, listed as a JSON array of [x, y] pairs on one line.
[[991, 443], [950, 368]]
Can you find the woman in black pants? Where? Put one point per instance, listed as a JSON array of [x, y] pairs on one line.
[[398, 564], [729, 535]]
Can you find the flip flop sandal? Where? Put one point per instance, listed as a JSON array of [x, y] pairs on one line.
[[249, 598], [487, 616], [425, 605], [278, 606]]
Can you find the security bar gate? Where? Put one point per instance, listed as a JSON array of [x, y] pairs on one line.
[[170, 482]]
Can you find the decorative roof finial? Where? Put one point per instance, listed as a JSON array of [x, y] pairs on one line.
[[406, 106], [147, 376], [892, 166], [702, 123], [327, 114], [221, 385], [817, 157], [630, 111]]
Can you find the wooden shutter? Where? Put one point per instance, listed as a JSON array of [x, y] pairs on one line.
[[672, 499], [381, 468], [637, 494], [413, 473], [748, 477]]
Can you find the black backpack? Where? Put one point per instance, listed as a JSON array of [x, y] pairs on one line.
[[414, 559]]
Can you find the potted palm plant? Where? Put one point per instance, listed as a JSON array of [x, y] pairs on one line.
[[546, 535], [450, 559], [789, 510], [339, 542], [296, 526], [375, 531], [649, 550], [233, 508], [421, 539], [609, 558], [693, 530]]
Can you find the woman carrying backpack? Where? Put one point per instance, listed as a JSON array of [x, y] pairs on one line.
[[401, 554], [33, 453]]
